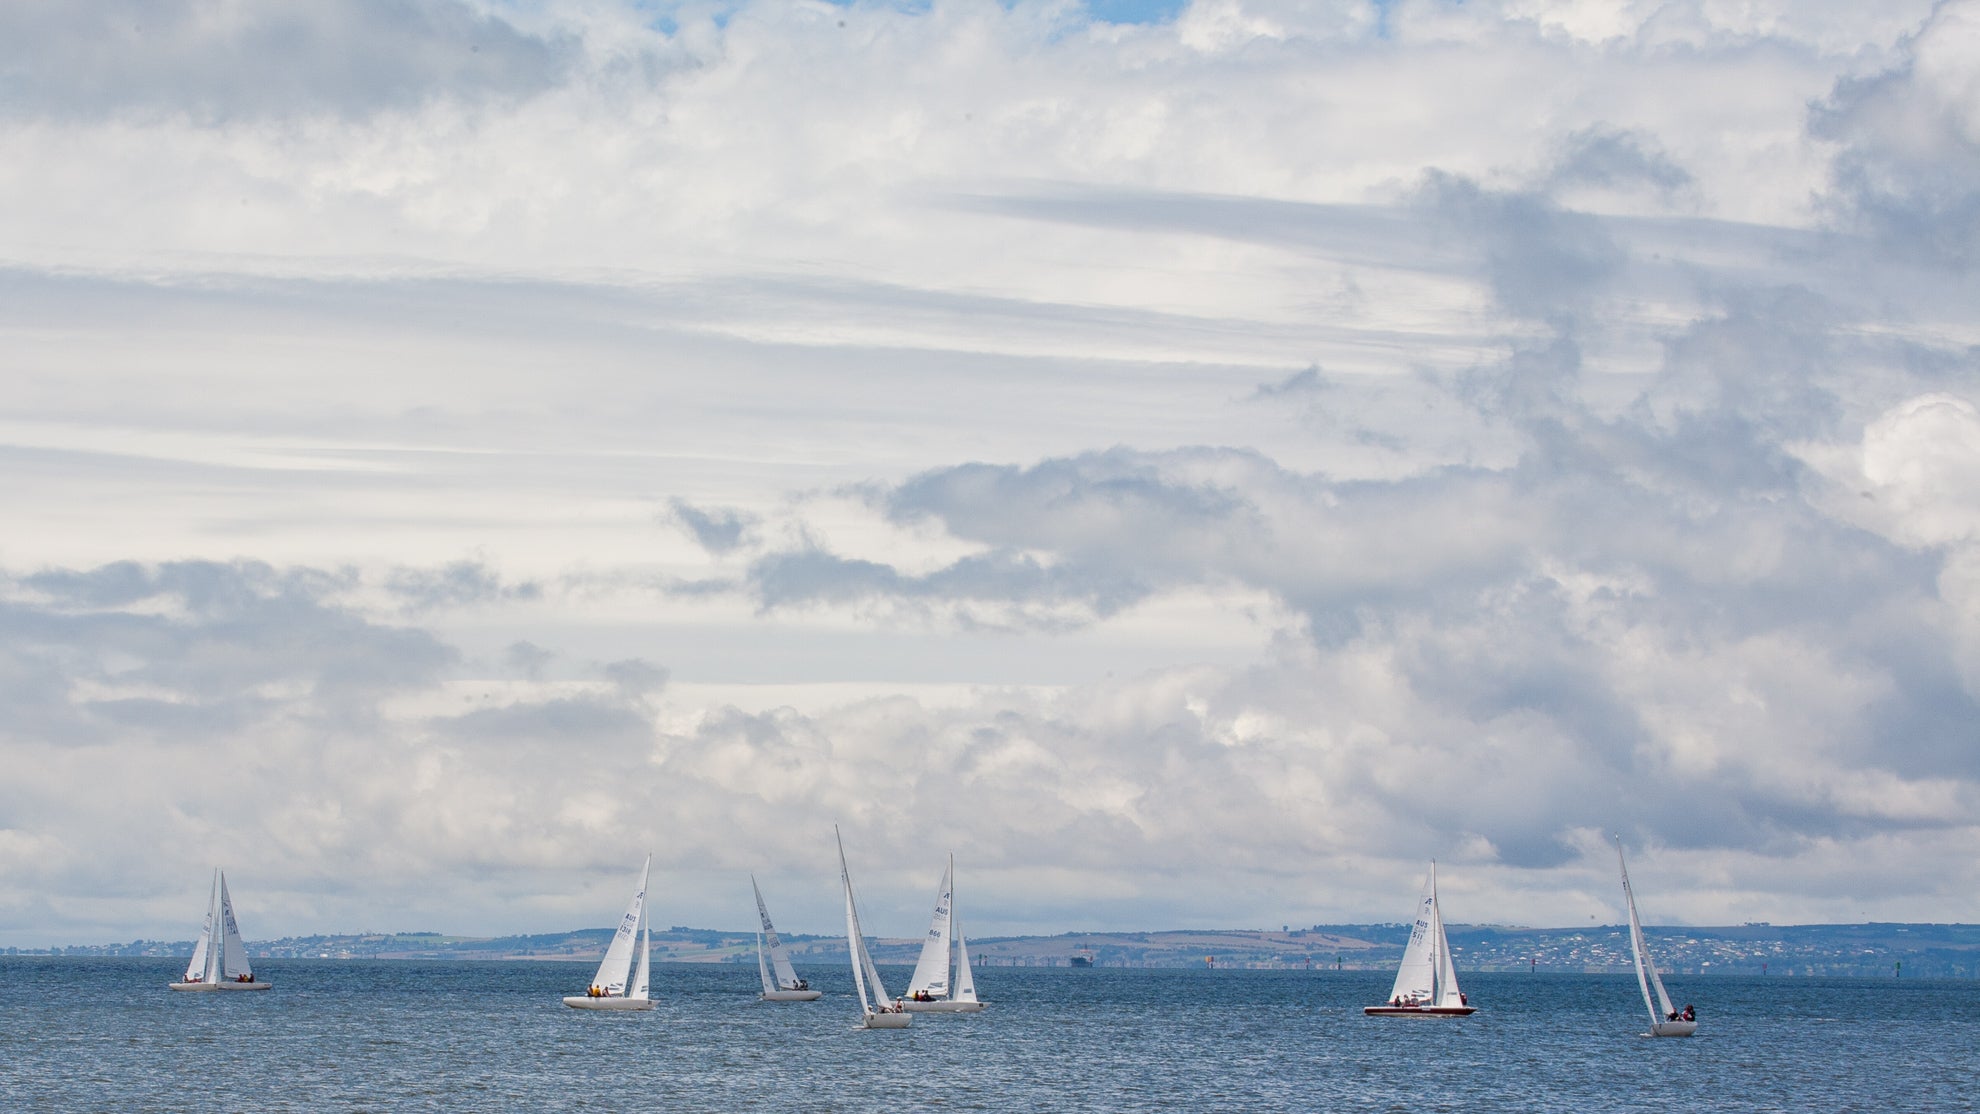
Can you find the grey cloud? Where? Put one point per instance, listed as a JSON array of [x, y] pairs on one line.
[[1908, 172], [1618, 159], [528, 659], [636, 678], [459, 584], [217, 637], [563, 724], [1297, 385], [719, 530], [1541, 261], [215, 61], [810, 576]]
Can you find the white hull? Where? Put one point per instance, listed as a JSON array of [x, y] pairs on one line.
[[792, 995], [887, 1020], [256, 985], [943, 1006], [1419, 1011], [586, 1002], [1673, 1028]]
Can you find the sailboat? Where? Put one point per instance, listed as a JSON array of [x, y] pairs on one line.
[[875, 1012], [609, 989], [222, 963], [1665, 1021], [1426, 982], [787, 987], [929, 990]]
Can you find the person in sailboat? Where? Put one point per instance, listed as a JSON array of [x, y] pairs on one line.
[[1689, 1013]]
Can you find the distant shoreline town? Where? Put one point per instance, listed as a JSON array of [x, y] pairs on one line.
[[1903, 950]]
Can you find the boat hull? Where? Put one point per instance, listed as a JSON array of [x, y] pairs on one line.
[[887, 1020], [792, 995], [256, 985], [943, 1006], [1419, 1011], [586, 1002], [1673, 1028]]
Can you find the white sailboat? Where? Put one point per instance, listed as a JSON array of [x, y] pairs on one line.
[[930, 990], [1665, 1021], [787, 987], [219, 963], [876, 1012], [1426, 981], [617, 986]]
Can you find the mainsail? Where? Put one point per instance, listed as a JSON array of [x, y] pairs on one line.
[[1427, 975], [931, 972], [1646, 969], [614, 969], [780, 959], [862, 962], [233, 953]]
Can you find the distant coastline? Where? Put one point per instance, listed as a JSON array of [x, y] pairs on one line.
[[1904, 950]]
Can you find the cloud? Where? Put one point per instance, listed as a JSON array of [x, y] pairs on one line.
[[1910, 142], [962, 347], [456, 585], [719, 531], [158, 60]]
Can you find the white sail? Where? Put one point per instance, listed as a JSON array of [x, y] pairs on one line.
[[616, 967], [1416, 978], [965, 980], [200, 968], [762, 966], [931, 972], [780, 958], [645, 959], [855, 943], [233, 953], [1447, 985], [1646, 968]]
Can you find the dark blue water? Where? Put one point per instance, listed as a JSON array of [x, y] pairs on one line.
[[106, 1035]]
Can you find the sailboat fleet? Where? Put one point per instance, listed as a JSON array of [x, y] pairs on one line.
[[1426, 983]]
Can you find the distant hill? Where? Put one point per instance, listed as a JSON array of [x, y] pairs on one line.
[[1912, 950]]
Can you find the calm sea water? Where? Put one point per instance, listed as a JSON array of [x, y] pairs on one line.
[[106, 1035]]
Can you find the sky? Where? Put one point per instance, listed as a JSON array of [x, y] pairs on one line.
[[1197, 462]]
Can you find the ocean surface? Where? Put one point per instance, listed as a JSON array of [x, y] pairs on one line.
[[105, 1034]]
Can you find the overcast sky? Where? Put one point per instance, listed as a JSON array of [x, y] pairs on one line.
[[1196, 461]]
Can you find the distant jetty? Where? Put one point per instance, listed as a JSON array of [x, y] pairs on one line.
[[1915, 950]]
